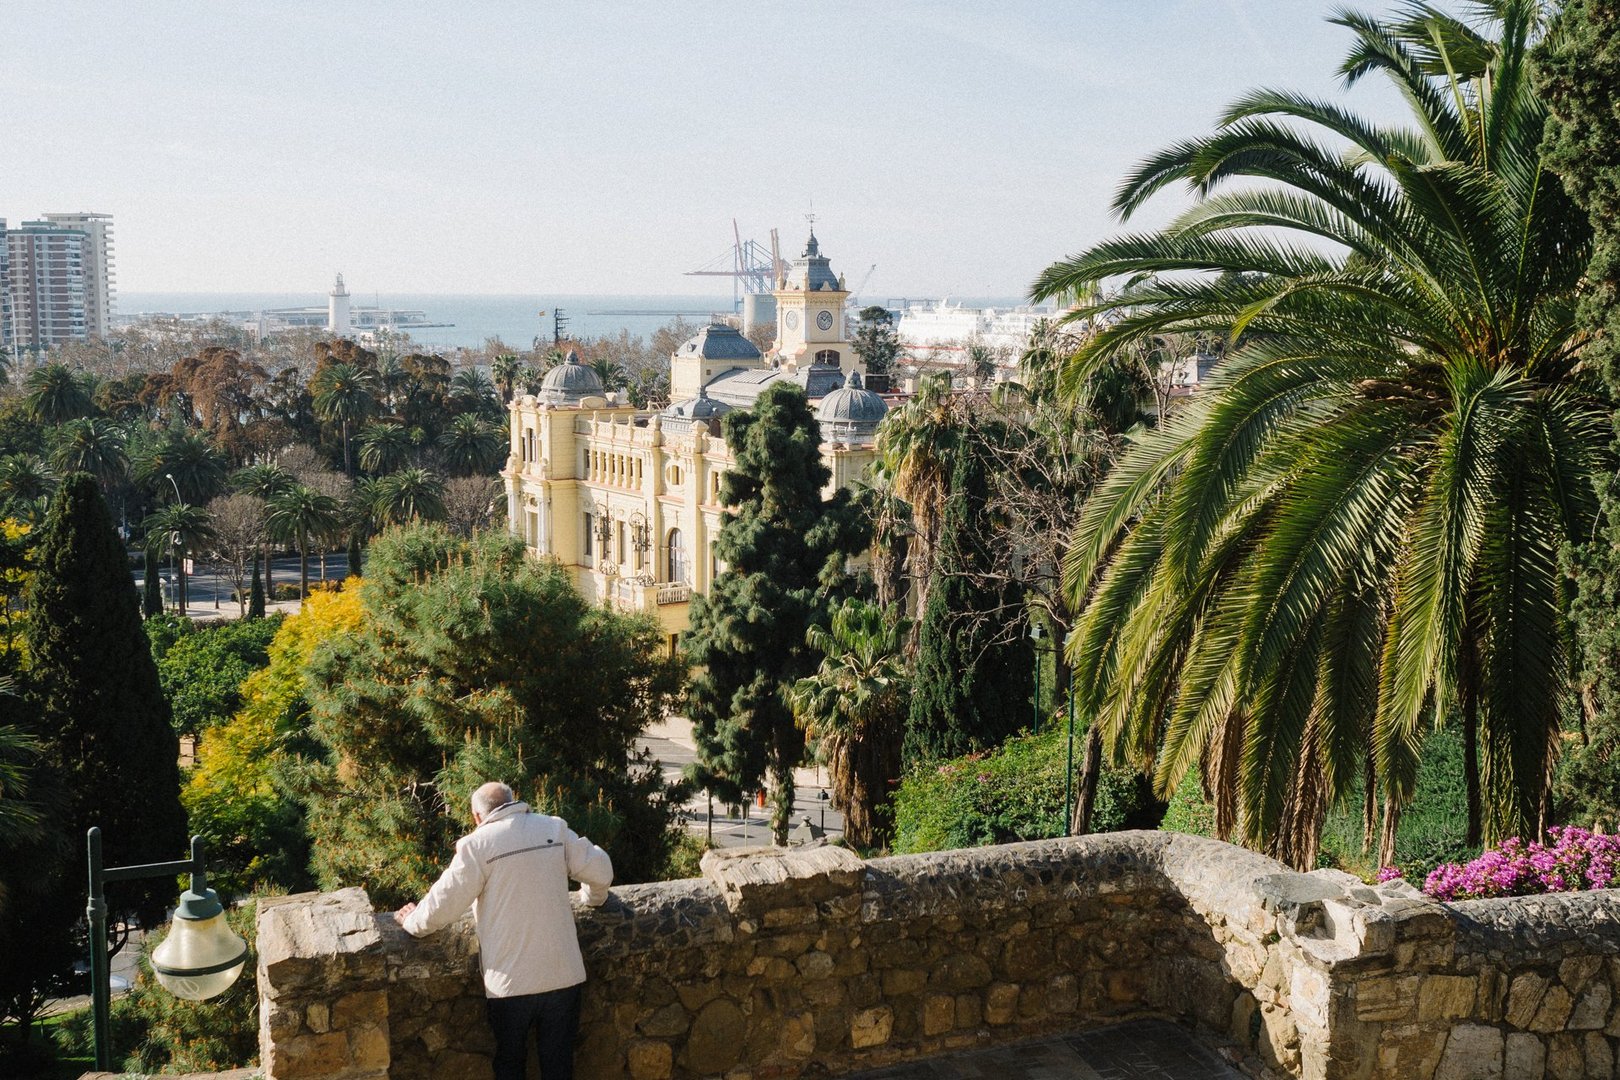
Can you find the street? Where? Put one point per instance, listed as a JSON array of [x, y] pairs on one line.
[[208, 595]]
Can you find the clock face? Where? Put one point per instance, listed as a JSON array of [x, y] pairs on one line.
[[791, 320], [824, 319]]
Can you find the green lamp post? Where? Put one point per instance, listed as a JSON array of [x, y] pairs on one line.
[[1035, 636], [199, 959]]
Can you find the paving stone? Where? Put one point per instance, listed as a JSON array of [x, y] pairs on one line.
[[1139, 1050]]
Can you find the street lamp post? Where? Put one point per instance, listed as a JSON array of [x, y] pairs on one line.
[[1035, 636], [175, 569], [199, 959]]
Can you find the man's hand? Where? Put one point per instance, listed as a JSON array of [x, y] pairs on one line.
[[399, 916]]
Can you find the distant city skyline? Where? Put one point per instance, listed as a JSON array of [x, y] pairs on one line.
[[583, 148]]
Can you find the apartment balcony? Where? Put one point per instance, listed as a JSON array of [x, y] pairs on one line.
[[637, 594]]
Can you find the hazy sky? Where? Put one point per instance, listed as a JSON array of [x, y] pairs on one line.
[[528, 147]]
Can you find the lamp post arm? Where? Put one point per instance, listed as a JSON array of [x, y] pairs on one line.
[[95, 911]]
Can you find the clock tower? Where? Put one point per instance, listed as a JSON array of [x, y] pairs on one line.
[[810, 315]]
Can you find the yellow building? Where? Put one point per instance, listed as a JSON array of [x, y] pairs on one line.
[[629, 499]]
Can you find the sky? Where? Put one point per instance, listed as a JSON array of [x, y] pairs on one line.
[[946, 149]]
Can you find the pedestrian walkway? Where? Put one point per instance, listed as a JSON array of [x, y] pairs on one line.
[[1139, 1050], [671, 742]]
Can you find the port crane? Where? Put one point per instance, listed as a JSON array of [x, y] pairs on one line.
[[751, 266]]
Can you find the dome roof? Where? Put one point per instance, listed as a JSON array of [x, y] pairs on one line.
[[717, 341], [699, 409], [570, 382], [851, 412]]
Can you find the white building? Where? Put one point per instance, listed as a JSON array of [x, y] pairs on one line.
[[337, 310], [99, 291], [46, 272]]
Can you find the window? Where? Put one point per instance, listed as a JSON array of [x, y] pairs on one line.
[[827, 358], [621, 543], [676, 558], [590, 534]]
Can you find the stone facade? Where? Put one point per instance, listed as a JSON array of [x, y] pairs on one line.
[[778, 963]]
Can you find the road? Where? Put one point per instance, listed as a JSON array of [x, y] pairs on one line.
[[672, 744], [208, 595]]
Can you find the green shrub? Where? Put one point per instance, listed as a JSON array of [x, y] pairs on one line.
[[202, 671], [1188, 812], [1014, 792]]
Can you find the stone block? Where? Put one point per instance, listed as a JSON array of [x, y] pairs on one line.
[[309, 1056], [1599, 1055], [1524, 998], [1001, 1003], [361, 1009], [457, 1065], [969, 1011], [1526, 1056], [716, 1039], [764, 879], [938, 1013], [815, 965], [963, 971], [650, 1059], [1554, 1011], [797, 1037], [368, 1049], [1445, 997], [1564, 1058], [1577, 971], [1308, 993], [1591, 1011], [319, 1017], [871, 1027], [1388, 997], [665, 1022], [1062, 994]]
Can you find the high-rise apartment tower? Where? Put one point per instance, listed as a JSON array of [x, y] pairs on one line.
[[98, 267]]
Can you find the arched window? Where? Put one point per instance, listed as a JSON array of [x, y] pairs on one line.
[[827, 358], [676, 556]]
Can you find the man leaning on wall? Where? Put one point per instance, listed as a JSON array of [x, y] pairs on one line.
[[513, 871]]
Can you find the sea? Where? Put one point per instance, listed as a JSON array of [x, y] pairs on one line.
[[469, 321]]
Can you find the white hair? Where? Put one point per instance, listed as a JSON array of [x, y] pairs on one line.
[[491, 796]]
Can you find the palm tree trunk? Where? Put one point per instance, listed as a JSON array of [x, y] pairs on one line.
[[180, 576], [348, 469], [1369, 802], [1468, 699], [269, 577], [303, 572], [1392, 823], [1085, 798]]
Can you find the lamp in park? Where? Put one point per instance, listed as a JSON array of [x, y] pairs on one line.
[[641, 541], [198, 960], [1035, 633]]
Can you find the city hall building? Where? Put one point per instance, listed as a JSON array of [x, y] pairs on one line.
[[629, 499]]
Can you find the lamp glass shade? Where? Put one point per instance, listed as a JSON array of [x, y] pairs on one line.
[[200, 958]]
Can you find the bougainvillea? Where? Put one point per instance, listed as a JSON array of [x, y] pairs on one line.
[[1575, 859]]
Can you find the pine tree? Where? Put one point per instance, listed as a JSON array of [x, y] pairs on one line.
[[439, 690], [109, 744], [256, 593], [784, 547], [971, 687]]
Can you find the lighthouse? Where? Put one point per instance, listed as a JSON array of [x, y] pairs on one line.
[[337, 310]]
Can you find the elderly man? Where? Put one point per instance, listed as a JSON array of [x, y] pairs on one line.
[[513, 871]]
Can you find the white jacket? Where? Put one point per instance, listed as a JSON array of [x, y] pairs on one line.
[[513, 871]]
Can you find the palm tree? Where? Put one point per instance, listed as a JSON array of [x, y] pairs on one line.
[[264, 482], [344, 394], [613, 375], [855, 707], [505, 369], [185, 527], [473, 391], [385, 447], [56, 393], [470, 445], [302, 516], [409, 495], [1357, 527], [197, 467], [93, 445], [25, 484]]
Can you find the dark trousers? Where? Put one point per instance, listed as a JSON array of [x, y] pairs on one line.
[[557, 1014]]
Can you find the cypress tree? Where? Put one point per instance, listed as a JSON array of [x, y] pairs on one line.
[[151, 588], [355, 554], [784, 547], [256, 593], [1579, 76], [109, 742], [971, 688]]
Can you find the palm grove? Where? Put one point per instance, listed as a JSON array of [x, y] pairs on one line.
[[1370, 532]]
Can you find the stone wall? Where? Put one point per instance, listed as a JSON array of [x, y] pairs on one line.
[[782, 962]]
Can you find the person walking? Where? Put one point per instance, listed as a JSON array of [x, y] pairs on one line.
[[513, 871]]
